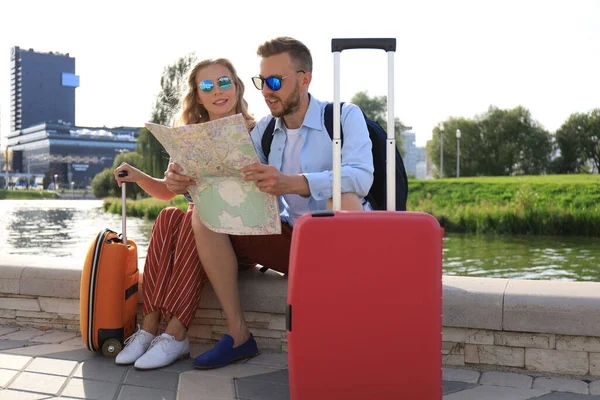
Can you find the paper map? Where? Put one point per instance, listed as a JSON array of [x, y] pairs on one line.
[[212, 154]]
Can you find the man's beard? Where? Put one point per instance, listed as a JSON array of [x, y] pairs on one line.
[[291, 106]]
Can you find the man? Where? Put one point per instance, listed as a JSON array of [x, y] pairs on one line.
[[298, 171]]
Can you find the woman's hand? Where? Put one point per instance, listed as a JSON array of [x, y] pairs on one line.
[[175, 181], [133, 174]]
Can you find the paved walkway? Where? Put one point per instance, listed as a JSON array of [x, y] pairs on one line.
[[37, 365]]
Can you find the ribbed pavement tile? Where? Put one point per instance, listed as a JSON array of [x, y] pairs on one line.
[[521, 381], [11, 361], [129, 392], [86, 389], [496, 393], [41, 383], [460, 375], [50, 366]]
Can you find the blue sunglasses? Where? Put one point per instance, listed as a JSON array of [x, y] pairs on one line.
[[273, 82], [207, 85]]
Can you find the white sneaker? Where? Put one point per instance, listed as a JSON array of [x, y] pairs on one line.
[[135, 347], [163, 351]]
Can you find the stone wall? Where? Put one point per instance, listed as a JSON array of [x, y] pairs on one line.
[[540, 326]]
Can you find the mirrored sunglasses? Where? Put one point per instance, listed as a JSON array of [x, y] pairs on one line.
[[207, 85], [273, 82]]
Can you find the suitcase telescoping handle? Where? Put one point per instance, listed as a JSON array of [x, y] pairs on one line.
[[123, 207], [337, 46]]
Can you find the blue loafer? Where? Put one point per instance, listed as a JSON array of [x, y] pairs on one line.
[[224, 353]]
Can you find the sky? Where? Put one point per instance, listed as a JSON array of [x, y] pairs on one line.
[[454, 58]]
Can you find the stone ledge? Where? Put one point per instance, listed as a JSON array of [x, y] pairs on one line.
[[547, 307], [473, 302], [569, 308]]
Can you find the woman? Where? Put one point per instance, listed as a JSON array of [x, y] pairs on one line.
[[173, 274]]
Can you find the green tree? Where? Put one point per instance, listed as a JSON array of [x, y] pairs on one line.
[[104, 184], [173, 83], [578, 143], [470, 145], [513, 143], [498, 142], [135, 160], [375, 108]]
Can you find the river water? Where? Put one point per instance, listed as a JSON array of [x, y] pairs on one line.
[[65, 229]]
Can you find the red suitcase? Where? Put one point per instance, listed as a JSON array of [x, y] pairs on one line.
[[365, 291]]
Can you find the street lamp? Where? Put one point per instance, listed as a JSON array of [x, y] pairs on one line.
[[441, 126], [458, 153], [72, 190], [55, 178]]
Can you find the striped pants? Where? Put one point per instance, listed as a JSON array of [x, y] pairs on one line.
[[173, 275]]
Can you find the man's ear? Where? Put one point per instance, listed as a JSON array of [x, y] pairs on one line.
[[306, 79]]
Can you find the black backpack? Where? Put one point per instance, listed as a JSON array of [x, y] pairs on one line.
[[378, 136]]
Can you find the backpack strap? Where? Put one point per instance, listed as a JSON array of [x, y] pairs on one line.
[[328, 116], [267, 138]]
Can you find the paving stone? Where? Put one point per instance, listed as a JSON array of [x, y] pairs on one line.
[[16, 395], [77, 341], [75, 355], [10, 361], [453, 386], [141, 393], [280, 377], [179, 366], [41, 383], [567, 396], [87, 389], [39, 350], [496, 393], [260, 390], [460, 375], [100, 370], [277, 360], [506, 379], [23, 334], [5, 330], [595, 387], [6, 376], [152, 379], [55, 337], [50, 366], [237, 371], [561, 385], [202, 386], [12, 344]]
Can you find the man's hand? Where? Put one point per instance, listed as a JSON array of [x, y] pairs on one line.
[[270, 180], [175, 181]]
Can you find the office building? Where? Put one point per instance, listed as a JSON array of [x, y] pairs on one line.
[[42, 88]]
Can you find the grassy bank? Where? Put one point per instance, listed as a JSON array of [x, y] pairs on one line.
[[538, 205], [26, 194], [145, 208]]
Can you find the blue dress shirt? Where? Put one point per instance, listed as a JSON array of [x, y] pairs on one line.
[[316, 154]]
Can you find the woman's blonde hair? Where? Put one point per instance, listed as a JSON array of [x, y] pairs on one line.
[[195, 113]]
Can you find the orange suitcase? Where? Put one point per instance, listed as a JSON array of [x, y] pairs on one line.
[[109, 291]]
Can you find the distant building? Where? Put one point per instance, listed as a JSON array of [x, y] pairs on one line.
[[414, 158], [76, 154], [44, 140], [42, 88]]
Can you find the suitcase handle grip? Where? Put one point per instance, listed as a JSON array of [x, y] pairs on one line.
[[123, 174], [387, 44]]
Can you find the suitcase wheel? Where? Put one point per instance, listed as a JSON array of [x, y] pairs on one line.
[[111, 348]]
